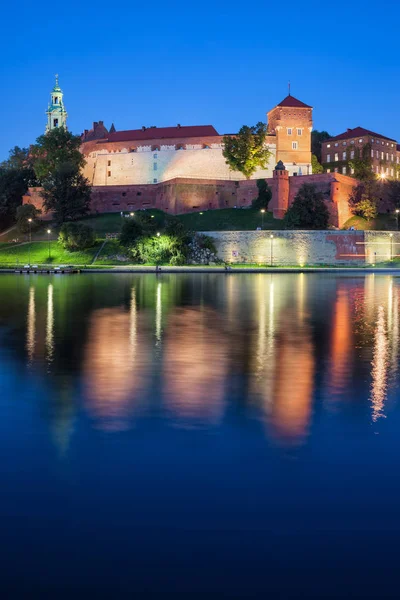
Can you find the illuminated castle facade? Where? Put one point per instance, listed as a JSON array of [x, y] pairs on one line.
[[153, 155]]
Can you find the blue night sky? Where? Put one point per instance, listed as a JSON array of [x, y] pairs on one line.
[[220, 63]]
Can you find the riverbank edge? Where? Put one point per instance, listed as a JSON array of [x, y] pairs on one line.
[[205, 269]]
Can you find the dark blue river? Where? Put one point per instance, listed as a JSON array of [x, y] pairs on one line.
[[199, 436]]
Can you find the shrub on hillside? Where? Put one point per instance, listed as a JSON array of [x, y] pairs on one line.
[[132, 229], [308, 210], [264, 195], [158, 249], [26, 212], [76, 236]]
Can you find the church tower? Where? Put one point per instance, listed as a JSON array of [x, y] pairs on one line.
[[56, 113]]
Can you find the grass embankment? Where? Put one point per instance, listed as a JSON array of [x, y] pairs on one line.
[[38, 252], [380, 223]]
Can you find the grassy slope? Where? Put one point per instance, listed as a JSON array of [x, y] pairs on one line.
[[11, 255], [381, 223]]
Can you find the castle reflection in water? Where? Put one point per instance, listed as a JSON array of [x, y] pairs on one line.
[[195, 349]]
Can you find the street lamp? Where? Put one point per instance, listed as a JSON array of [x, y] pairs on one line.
[[48, 234], [397, 217], [30, 240], [158, 234], [391, 246], [271, 255], [131, 214], [262, 218]]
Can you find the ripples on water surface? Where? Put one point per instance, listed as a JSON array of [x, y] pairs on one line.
[[199, 436]]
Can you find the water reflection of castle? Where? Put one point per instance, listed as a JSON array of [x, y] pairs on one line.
[[147, 348]]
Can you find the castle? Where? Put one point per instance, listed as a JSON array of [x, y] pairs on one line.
[[182, 168]]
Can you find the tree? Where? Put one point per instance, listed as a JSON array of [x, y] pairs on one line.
[[67, 193], [53, 149], [308, 210], [264, 195], [315, 165], [393, 193], [13, 185], [362, 164], [18, 158], [246, 152], [25, 212], [317, 137], [76, 236], [132, 229], [365, 197]]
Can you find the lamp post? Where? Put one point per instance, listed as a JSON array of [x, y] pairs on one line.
[[262, 218], [30, 240], [48, 235], [391, 246], [397, 217], [270, 253], [132, 214]]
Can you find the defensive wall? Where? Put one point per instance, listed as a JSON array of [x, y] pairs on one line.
[[301, 248]]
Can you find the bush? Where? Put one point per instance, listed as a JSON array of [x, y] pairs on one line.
[[206, 242], [264, 195], [132, 229], [76, 236], [25, 212], [308, 210], [158, 249]]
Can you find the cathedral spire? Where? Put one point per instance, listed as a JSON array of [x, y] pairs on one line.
[[56, 113]]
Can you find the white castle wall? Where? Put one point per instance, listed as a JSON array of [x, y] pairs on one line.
[[145, 166]]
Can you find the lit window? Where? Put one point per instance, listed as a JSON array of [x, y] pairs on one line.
[[328, 170], [299, 132], [328, 146], [328, 158], [294, 145], [352, 142], [372, 140], [352, 171], [344, 143], [391, 157], [289, 131], [352, 154], [344, 170], [344, 155], [391, 172], [377, 154], [392, 145], [336, 157], [336, 145], [387, 155], [361, 140], [382, 156]]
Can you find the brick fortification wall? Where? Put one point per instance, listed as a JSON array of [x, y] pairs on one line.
[[300, 248], [188, 195]]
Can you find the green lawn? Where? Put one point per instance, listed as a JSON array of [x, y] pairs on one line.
[[383, 222], [235, 219], [12, 255]]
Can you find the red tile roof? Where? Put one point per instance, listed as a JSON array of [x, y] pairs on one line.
[[157, 133], [292, 102], [358, 132]]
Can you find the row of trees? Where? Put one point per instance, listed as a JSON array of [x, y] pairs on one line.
[[53, 163]]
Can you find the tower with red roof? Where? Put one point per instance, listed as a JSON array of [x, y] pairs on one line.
[[290, 122]]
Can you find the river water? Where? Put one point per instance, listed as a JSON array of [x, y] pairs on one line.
[[199, 436]]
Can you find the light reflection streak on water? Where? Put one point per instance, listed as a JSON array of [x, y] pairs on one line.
[[50, 325], [158, 315], [379, 367], [31, 326], [133, 325]]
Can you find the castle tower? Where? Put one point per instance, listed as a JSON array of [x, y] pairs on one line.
[[291, 122], [280, 191], [56, 113]]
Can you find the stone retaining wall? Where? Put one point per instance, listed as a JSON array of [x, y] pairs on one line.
[[298, 248]]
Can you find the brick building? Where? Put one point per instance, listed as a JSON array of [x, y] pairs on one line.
[[384, 152]]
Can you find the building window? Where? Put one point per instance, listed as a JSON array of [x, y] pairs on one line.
[[392, 145], [155, 155], [352, 171], [336, 145], [336, 157], [352, 154], [387, 155], [382, 155], [294, 145], [154, 166], [328, 158], [344, 155], [391, 172], [328, 170], [372, 153], [361, 141], [344, 144], [328, 145], [391, 156], [299, 132], [56, 100], [336, 170], [154, 180], [109, 163], [344, 170], [108, 173], [289, 131], [377, 154], [55, 122], [372, 140]]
